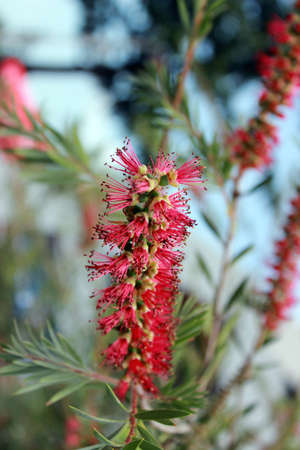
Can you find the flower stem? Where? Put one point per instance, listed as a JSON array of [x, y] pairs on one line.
[[134, 402], [82, 372], [189, 57], [217, 315]]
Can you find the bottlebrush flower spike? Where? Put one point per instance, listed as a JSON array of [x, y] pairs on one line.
[[144, 265], [251, 147], [282, 290]]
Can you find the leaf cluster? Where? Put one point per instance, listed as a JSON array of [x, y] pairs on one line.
[[46, 361], [50, 156]]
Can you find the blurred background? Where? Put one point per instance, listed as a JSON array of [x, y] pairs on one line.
[[83, 60]]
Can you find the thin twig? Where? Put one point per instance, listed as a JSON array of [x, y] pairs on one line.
[[88, 374], [134, 403], [217, 316], [240, 376], [189, 57]]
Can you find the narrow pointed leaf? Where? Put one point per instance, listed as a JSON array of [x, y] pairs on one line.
[[166, 422], [85, 415], [90, 447], [68, 347], [242, 253], [145, 433], [54, 339], [11, 369], [227, 329], [118, 439], [146, 445], [204, 267], [66, 391], [263, 183], [183, 12], [161, 414], [187, 307], [102, 438], [133, 444], [117, 400], [237, 294], [211, 226], [31, 388], [60, 378]]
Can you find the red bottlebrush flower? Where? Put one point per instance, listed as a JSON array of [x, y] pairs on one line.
[[163, 164], [118, 196], [282, 285], [278, 29], [15, 94], [189, 172], [116, 352], [280, 71], [122, 389], [127, 159], [144, 268], [106, 324]]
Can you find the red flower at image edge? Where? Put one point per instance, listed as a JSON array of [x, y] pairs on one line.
[[15, 96], [282, 293], [251, 147]]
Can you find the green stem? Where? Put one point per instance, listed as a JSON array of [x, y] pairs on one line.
[[134, 402], [189, 57], [82, 372], [216, 310]]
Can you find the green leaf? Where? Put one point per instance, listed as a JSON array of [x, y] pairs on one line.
[[116, 399], [227, 329], [188, 306], [68, 347], [236, 295], [204, 267], [190, 328], [66, 391], [119, 437], [77, 145], [31, 388], [145, 433], [190, 323], [55, 175], [157, 414], [184, 14], [180, 404], [166, 422], [178, 304], [145, 445], [90, 447], [249, 409], [11, 369], [216, 7], [59, 378], [133, 444], [211, 226], [53, 336], [102, 438], [32, 155], [241, 254], [85, 415], [258, 186]]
